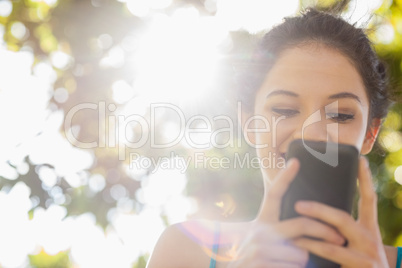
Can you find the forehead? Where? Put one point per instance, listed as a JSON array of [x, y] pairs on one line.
[[314, 70]]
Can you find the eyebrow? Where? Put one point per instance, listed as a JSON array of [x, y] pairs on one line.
[[341, 95], [345, 95], [282, 92]]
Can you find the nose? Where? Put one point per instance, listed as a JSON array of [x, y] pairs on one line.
[[315, 127]]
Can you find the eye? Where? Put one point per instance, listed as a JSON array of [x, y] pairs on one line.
[[340, 117], [285, 112]]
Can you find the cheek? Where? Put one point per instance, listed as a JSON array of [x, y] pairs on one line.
[[353, 134], [273, 132], [262, 129]]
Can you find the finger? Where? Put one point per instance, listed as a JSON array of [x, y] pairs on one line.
[[275, 265], [272, 253], [302, 226], [368, 197], [264, 264], [334, 253], [338, 218], [278, 253], [271, 207], [289, 253]]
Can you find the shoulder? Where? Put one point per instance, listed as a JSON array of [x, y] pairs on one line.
[[183, 245], [189, 244]]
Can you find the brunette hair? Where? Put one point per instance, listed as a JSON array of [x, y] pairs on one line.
[[319, 27]]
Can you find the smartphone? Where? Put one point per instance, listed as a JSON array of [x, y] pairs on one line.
[[327, 174]]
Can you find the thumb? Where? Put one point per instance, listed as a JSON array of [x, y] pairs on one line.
[[271, 205]]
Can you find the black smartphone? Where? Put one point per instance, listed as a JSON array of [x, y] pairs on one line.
[[327, 174]]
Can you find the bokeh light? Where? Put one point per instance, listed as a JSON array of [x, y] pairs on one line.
[[254, 15], [177, 57], [6, 7], [398, 174]]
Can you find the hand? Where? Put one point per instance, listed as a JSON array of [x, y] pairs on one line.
[[268, 242], [365, 248]]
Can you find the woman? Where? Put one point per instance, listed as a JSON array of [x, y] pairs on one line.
[[314, 62]]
